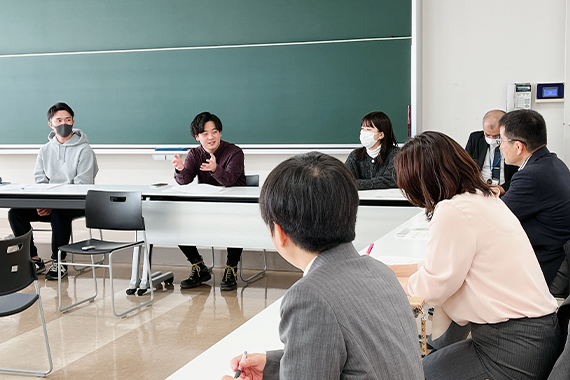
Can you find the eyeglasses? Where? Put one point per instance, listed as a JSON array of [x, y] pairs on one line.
[[499, 141]]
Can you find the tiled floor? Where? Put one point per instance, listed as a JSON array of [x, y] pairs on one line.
[[89, 342]]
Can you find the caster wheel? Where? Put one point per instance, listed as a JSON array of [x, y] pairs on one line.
[[140, 292], [130, 292]]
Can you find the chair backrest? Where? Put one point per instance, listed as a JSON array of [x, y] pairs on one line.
[[114, 210], [17, 269], [252, 180]]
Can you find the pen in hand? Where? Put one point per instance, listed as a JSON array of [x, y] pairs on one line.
[[238, 372]]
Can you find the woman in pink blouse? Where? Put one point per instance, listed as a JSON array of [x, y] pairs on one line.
[[480, 269]]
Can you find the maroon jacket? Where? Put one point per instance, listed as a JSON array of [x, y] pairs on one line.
[[230, 171]]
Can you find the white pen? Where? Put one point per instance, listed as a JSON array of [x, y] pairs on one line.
[[238, 372]]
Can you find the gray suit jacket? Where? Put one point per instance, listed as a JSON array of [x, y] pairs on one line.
[[348, 318]]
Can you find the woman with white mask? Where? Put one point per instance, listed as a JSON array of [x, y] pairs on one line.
[[373, 164]]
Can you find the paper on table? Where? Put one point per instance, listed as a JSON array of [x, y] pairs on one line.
[[421, 233], [41, 186], [194, 188], [382, 194], [397, 260], [33, 186]]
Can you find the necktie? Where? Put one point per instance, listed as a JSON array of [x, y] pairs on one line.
[[497, 163]]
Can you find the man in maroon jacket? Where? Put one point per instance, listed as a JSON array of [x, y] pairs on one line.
[[217, 163]]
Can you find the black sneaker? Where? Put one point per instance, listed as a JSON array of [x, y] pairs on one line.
[[52, 272], [229, 281], [40, 266], [199, 273]]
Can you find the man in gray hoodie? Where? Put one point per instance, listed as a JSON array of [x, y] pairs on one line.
[[66, 159]]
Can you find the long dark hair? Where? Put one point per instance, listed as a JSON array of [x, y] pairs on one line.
[[380, 121], [432, 167]]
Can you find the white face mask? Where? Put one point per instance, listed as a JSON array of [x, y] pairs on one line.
[[492, 142], [367, 139]]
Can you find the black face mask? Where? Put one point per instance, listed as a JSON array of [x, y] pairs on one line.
[[63, 130]]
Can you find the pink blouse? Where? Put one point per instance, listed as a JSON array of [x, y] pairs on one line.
[[480, 266]]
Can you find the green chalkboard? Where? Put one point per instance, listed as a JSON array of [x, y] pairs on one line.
[[239, 65]]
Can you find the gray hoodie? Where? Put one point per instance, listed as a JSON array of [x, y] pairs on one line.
[[72, 162]]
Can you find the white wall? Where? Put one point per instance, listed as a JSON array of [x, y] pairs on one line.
[[473, 49]]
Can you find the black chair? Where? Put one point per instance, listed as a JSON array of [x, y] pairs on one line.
[[109, 210], [250, 180], [17, 272]]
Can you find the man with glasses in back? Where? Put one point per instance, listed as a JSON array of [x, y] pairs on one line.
[[483, 148], [539, 194]]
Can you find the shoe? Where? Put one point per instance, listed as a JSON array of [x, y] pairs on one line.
[[229, 281], [199, 273], [40, 266], [52, 272]]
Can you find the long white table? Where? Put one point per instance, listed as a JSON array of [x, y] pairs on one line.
[[405, 243], [228, 218]]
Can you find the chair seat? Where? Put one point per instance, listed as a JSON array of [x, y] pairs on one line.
[[16, 302], [101, 247]]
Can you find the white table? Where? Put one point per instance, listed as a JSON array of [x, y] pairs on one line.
[[228, 218]]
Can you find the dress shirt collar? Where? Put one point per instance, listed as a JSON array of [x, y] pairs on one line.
[[309, 266], [524, 163]]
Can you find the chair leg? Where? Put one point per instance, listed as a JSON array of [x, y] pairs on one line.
[[146, 264], [48, 351], [88, 299], [260, 273], [212, 248]]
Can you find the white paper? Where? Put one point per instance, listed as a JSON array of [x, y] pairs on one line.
[[32, 186], [397, 260], [421, 233]]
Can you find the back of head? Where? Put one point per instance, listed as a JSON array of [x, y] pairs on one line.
[[432, 167], [197, 125], [314, 198], [527, 126], [59, 107]]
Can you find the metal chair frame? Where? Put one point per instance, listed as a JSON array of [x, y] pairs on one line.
[[100, 246], [23, 301]]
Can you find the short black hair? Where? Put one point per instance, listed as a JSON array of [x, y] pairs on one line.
[[528, 126], [59, 107], [197, 125], [314, 198]]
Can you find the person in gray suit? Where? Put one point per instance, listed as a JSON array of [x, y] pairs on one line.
[[348, 317]]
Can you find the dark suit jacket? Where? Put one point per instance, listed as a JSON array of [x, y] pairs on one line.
[[477, 148], [347, 318], [540, 198]]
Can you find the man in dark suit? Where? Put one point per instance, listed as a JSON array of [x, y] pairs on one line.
[[540, 191], [483, 148], [348, 317]]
